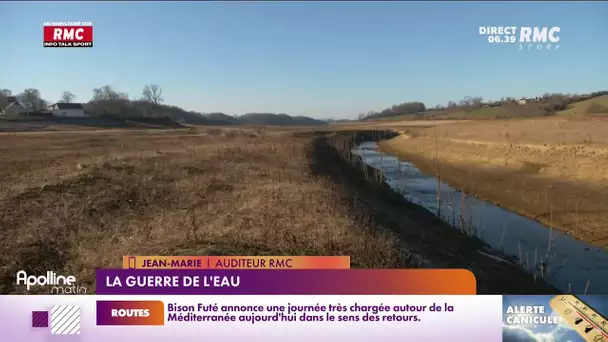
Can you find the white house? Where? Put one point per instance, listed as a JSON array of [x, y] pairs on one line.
[[67, 109], [13, 108]]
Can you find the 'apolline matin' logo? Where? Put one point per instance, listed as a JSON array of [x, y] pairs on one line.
[[60, 284]]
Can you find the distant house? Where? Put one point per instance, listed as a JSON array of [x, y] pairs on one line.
[[522, 101], [67, 109], [13, 107]]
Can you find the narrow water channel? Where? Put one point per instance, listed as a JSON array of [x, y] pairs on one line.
[[566, 263]]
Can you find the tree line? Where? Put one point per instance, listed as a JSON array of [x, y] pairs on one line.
[[547, 104], [30, 98], [406, 108], [417, 107], [106, 101]]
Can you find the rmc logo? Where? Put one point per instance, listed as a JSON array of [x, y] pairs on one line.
[[539, 34], [66, 33], [539, 38]]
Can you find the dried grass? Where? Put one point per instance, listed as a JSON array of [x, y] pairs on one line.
[[74, 202]]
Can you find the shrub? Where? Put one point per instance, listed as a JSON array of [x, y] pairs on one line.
[[597, 108]]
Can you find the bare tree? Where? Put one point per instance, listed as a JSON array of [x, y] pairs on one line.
[[107, 93], [477, 101], [67, 97], [153, 93], [97, 94], [107, 101], [121, 96], [30, 98], [5, 92]]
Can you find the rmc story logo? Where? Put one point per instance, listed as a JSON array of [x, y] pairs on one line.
[[524, 37], [59, 284]]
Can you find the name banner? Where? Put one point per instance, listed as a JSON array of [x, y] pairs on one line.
[[236, 262], [277, 282]]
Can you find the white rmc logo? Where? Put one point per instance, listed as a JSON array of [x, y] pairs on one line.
[[67, 33], [538, 35]]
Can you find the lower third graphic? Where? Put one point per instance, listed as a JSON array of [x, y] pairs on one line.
[[63, 319]]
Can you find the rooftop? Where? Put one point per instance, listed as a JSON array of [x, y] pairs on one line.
[[62, 105]]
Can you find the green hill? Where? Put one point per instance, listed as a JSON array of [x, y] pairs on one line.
[[479, 113], [595, 106]]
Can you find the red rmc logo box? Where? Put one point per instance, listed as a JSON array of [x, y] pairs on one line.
[[68, 36]]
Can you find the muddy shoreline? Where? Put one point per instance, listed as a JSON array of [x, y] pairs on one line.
[[423, 235], [572, 207], [567, 263]]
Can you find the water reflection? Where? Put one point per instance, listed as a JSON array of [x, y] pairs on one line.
[[568, 264]]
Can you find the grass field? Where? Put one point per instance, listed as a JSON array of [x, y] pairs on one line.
[[75, 201], [594, 106], [554, 170], [475, 114]]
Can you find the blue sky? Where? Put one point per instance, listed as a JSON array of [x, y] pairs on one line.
[[325, 60]]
